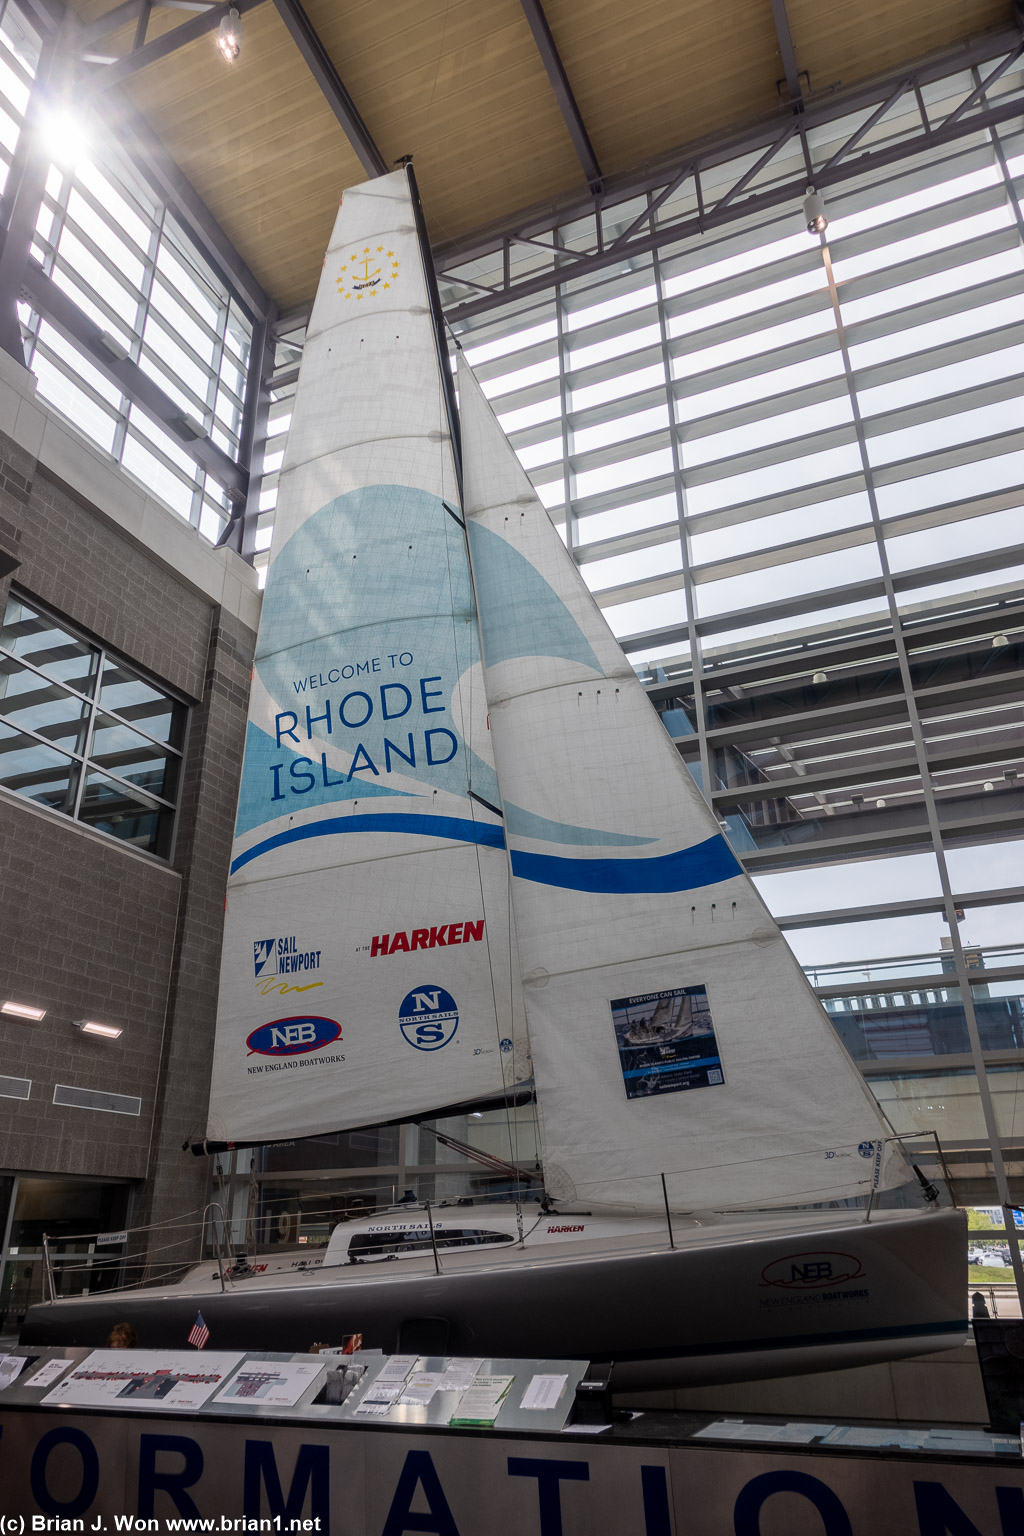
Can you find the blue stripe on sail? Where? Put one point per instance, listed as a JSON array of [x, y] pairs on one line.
[[705, 864], [453, 827]]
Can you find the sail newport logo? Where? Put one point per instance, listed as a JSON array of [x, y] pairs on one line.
[[283, 956], [427, 938], [428, 1017], [293, 1037]]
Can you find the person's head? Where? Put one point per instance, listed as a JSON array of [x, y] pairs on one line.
[[122, 1336]]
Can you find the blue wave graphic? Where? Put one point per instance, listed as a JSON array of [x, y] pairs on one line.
[[456, 828], [705, 864]]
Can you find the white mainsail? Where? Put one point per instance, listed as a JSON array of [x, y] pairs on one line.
[[367, 971], [650, 964]]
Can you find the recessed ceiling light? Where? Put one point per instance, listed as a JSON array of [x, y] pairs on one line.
[[23, 1011], [90, 1027]]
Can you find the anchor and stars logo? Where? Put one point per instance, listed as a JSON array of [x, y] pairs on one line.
[[367, 272]]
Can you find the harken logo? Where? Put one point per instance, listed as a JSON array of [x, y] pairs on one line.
[[293, 1037], [809, 1271], [428, 1017]]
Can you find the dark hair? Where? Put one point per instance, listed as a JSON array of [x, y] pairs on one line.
[[121, 1336]]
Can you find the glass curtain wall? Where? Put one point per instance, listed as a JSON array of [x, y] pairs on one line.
[[105, 240], [791, 469]]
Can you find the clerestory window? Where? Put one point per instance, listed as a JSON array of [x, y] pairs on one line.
[[85, 733]]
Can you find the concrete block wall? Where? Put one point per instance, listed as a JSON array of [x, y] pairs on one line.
[[92, 928]]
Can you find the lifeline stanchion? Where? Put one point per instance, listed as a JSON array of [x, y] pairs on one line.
[[668, 1213]]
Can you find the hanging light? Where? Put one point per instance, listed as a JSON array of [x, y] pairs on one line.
[[229, 35], [814, 212]]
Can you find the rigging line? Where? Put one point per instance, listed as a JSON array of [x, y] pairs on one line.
[[480, 799], [462, 706], [511, 1127]]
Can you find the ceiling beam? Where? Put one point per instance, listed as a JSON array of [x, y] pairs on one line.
[[786, 50], [90, 33], [318, 62], [106, 75], [725, 210], [563, 92], [824, 108]]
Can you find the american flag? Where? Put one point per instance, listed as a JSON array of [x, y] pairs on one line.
[[200, 1335]]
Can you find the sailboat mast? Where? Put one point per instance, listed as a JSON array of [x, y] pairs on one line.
[[440, 329]]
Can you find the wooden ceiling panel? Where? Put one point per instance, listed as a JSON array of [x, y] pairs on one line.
[[839, 43], [460, 85], [657, 73], [260, 145]]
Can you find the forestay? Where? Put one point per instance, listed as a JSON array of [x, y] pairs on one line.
[[672, 1030], [366, 967]]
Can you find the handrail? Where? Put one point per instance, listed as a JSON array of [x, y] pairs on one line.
[[433, 1239], [215, 1205]]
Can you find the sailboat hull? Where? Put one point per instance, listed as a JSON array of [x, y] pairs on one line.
[[725, 1305]]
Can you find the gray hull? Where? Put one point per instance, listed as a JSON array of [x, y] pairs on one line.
[[734, 1309]]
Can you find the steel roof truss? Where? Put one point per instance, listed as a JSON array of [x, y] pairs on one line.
[[555, 70], [305, 37]]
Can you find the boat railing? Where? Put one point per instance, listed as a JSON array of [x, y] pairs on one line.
[[907, 1171]]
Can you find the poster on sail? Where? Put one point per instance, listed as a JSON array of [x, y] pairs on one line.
[[666, 1042]]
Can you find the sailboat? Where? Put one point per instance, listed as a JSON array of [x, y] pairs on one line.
[[470, 867]]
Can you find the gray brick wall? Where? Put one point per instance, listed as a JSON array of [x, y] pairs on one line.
[[91, 929]]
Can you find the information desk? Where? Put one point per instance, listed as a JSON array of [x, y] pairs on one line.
[[207, 1441]]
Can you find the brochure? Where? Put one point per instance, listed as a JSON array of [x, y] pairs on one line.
[[272, 1384], [543, 1391], [480, 1403], [145, 1378]]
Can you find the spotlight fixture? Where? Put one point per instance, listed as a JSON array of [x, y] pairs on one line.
[[23, 1011], [989, 786], [814, 212], [90, 1027], [998, 640], [229, 35], [820, 677]]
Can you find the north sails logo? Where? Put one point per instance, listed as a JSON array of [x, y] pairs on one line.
[[427, 938]]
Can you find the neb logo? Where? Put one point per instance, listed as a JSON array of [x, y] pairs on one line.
[[293, 1037], [429, 1018], [809, 1271]]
